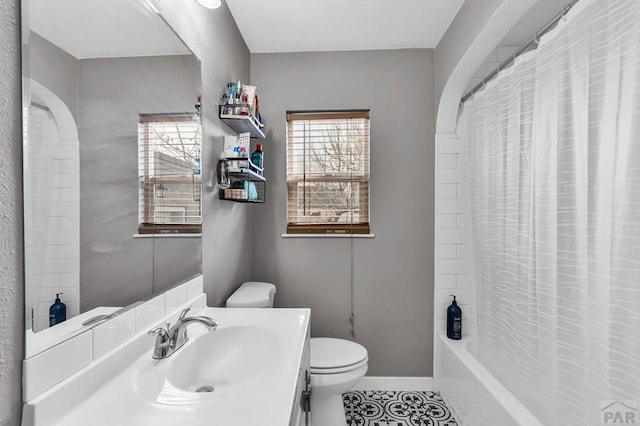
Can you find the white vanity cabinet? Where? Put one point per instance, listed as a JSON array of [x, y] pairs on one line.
[[300, 412]]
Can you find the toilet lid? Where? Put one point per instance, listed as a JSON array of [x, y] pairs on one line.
[[328, 353]]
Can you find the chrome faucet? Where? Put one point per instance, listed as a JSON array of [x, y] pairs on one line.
[[171, 338]]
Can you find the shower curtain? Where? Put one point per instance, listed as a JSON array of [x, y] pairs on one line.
[[554, 166]]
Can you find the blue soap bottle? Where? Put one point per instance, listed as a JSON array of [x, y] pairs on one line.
[[454, 320], [57, 311]]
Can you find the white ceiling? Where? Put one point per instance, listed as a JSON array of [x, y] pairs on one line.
[[327, 25], [104, 29]]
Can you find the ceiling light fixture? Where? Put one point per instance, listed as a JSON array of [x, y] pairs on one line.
[[210, 4]]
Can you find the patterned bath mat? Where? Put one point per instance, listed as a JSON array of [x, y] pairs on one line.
[[393, 408]]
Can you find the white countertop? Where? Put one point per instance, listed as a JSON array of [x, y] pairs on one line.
[[133, 394]]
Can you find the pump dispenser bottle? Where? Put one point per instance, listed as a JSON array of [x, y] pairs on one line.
[[454, 320], [57, 312]]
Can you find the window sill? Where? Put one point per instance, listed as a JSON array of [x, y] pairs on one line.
[[328, 235], [168, 235]]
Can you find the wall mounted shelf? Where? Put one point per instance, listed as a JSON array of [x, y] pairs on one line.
[[242, 123], [246, 187]]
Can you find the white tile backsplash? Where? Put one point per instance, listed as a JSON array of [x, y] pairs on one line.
[[68, 357], [113, 333], [195, 287], [175, 298], [82, 349], [149, 313]]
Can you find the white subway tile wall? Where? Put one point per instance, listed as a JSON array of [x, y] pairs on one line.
[[453, 262], [53, 220], [113, 333]]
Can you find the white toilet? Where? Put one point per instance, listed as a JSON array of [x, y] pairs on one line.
[[336, 364]]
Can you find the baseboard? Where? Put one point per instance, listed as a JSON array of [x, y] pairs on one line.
[[395, 383]]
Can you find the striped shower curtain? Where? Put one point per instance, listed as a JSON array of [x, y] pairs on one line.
[[554, 165]]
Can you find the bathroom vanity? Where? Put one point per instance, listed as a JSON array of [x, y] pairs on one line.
[[252, 371]]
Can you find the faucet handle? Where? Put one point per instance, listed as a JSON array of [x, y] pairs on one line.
[[160, 331], [163, 339], [185, 312]]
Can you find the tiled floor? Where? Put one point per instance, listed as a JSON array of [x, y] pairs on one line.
[[393, 408]]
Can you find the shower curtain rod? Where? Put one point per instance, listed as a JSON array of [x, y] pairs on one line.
[[530, 45]]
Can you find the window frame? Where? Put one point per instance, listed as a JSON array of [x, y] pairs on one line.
[[148, 225], [363, 180]]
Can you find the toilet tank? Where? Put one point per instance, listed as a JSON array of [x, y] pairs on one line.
[[252, 294]]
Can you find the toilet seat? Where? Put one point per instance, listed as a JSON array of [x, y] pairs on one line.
[[333, 356]]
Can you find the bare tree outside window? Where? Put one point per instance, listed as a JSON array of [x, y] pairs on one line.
[[328, 173]]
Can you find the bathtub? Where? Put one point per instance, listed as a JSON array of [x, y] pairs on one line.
[[469, 389]]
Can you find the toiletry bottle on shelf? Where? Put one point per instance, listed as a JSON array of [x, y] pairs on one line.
[[454, 320], [57, 311], [256, 156], [222, 172]]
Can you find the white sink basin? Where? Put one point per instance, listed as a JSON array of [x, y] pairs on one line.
[[224, 358], [254, 357]]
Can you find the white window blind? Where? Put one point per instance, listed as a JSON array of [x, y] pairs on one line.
[[169, 149], [328, 172]]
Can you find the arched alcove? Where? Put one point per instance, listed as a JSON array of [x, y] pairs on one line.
[[52, 206]]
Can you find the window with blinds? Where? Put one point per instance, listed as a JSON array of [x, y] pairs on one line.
[[328, 172], [169, 147]]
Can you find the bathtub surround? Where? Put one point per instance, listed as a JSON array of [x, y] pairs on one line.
[[453, 240], [11, 258], [392, 273], [472, 392]]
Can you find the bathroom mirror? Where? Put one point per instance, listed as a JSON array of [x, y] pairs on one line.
[[90, 68]]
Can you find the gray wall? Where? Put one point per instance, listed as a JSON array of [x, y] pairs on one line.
[[11, 246], [227, 227], [55, 69], [115, 268], [393, 273]]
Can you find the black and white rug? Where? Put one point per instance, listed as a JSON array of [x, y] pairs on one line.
[[394, 408]]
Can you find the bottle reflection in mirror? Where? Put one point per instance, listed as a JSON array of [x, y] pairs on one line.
[[57, 311]]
